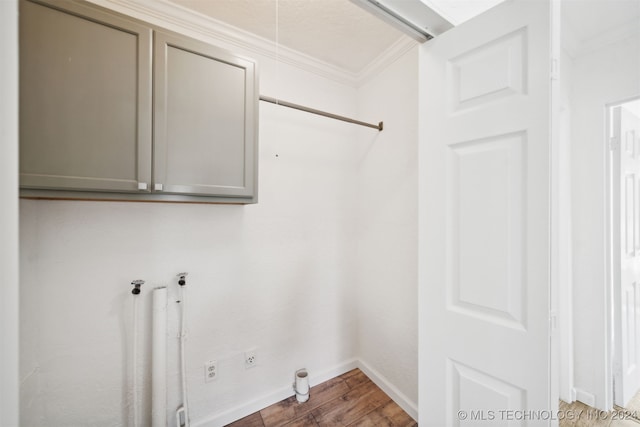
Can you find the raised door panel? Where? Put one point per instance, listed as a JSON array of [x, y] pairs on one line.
[[484, 243], [205, 104], [85, 99], [626, 190]]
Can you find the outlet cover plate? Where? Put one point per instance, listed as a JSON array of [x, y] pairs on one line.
[[210, 371], [251, 358]]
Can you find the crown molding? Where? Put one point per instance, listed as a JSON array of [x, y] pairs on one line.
[[403, 45], [180, 19], [189, 22], [576, 48]]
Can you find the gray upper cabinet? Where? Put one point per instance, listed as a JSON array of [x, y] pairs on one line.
[[85, 99], [89, 127], [204, 129]]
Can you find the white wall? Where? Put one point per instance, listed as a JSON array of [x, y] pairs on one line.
[[9, 213], [388, 228], [278, 276], [273, 276], [607, 75], [320, 274]]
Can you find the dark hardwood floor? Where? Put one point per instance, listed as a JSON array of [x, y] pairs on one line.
[[351, 399]]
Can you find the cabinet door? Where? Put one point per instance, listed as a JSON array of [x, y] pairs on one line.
[[85, 99], [205, 119]]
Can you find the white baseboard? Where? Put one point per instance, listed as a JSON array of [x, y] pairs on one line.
[[392, 391], [241, 411], [584, 397]]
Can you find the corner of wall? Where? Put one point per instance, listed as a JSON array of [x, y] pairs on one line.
[[408, 405], [387, 230]]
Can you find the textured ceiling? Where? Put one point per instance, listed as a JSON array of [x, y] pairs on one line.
[[335, 31], [340, 33]]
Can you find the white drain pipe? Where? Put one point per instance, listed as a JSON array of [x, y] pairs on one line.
[[301, 386], [159, 359]]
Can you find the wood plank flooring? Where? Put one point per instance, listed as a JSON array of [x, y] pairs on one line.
[[577, 414], [351, 399]]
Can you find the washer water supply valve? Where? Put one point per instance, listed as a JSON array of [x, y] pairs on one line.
[[182, 279], [136, 286]]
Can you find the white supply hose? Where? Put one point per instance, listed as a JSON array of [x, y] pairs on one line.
[[159, 359], [135, 362], [183, 361]]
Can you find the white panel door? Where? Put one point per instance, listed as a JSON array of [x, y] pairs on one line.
[[626, 188], [485, 221]]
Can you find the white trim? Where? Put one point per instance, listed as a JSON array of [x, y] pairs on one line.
[[388, 57], [189, 22], [392, 391], [560, 216], [576, 48], [608, 291], [616, 34], [9, 301], [610, 269], [186, 21], [275, 396], [562, 379], [423, 207], [584, 397], [286, 391], [564, 285]]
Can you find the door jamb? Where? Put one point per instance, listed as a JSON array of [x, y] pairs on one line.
[[610, 269]]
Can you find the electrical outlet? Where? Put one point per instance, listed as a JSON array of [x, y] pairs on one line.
[[210, 371], [250, 358]]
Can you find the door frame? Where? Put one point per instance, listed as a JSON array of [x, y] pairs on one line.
[[9, 300], [610, 268]]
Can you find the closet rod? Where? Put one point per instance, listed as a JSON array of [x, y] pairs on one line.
[[318, 112]]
